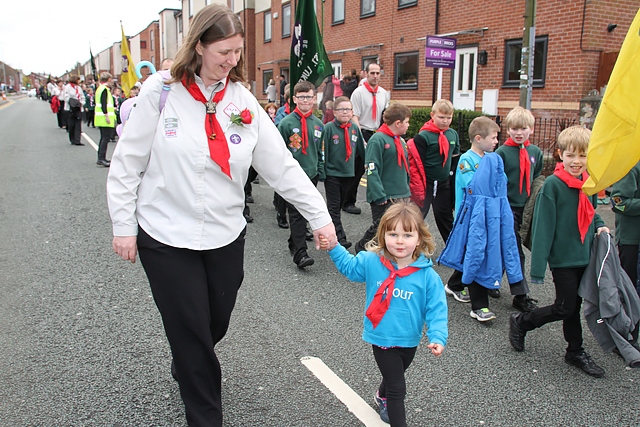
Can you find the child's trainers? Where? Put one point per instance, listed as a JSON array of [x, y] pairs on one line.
[[482, 315], [382, 404], [462, 296]]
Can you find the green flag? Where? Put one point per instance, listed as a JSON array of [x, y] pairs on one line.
[[93, 66], [309, 60]]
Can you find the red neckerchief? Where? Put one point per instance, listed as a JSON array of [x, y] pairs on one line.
[[287, 109], [402, 160], [73, 85], [347, 139], [217, 141], [586, 211], [525, 162], [374, 113], [381, 300], [303, 126], [442, 139]]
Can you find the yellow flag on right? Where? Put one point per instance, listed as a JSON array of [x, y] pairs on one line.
[[615, 141]]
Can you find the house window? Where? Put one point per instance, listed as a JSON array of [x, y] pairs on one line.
[[406, 3], [367, 8], [152, 38], [143, 44], [338, 11], [266, 76], [286, 20], [366, 60], [406, 70], [190, 8], [267, 26], [513, 57]]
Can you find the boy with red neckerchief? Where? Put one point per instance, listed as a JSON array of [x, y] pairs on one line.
[[564, 223], [522, 164], [387, 167], [342, 140], [437, 143], [302, 132]]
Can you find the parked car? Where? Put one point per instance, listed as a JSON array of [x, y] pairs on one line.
[[31, 93], [23, 90]]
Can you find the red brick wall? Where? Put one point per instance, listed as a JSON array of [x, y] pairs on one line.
[[146, 54], [571, 72]]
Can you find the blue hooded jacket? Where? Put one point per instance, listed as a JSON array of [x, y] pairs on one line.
[[482, 243], [418, 298]]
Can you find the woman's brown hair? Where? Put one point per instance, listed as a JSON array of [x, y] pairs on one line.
[[211, 24]]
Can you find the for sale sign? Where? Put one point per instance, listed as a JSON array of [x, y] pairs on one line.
[[440, 52]]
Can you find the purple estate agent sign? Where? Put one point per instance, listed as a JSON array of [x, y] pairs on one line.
[[440, 52]]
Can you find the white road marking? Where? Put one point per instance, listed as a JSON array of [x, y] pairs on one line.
[[354, 403], [90, 141]]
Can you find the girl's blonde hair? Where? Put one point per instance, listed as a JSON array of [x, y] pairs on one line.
[[408, 214], [211, 24]]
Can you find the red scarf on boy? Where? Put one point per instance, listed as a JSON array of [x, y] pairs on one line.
[[525, 162], [303, 128], [347, 139], [379, 306], [217, 141], [442, 139], [586, 211], [402, 160]]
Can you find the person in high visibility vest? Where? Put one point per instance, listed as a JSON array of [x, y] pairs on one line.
[[105, 117]]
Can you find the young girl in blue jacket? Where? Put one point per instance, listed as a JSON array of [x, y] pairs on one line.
[[403, 292]]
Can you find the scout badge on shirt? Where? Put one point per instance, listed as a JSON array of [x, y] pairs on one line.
[[370, 168], [294, 142], [171, 127]]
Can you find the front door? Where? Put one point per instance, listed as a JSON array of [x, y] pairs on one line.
[[464, 78]]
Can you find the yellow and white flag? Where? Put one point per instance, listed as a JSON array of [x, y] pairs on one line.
[[615, 142], [128, 77]]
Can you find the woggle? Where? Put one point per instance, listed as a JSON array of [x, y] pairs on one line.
[[144, 64]]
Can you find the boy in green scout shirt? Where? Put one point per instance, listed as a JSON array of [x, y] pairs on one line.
[[302, 132], [341, 140], [564, 223], [387, 167], [522, 164], [625, 202], [437, 143]]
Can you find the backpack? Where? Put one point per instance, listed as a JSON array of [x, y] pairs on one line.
[[417, 176]]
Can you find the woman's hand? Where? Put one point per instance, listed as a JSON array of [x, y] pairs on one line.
[[328, 232], [126, 247]]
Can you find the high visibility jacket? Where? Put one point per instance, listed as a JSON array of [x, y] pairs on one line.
[[100, 119]]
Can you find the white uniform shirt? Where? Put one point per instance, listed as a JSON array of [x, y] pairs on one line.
[[162, 178], [362, 102]]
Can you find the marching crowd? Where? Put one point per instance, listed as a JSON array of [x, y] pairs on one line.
[[179, 190]]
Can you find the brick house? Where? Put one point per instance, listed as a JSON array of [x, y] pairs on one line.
[[575, 47]]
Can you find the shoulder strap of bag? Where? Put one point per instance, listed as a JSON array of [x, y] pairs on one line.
[[166, 75]]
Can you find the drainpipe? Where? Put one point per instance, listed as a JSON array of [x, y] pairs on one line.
[[435, 77]]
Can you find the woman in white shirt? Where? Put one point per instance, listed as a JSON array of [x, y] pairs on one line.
[[73, 103], [176, 195]]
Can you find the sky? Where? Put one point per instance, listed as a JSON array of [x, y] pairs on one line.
[[52, 35]]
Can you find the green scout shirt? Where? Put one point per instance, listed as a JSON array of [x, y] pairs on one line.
[[555, 236], [385, 179], [431, 157], [335, 151], [511, 158], [625, 202], [290, 129]]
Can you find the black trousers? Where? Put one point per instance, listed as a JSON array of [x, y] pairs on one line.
[[105, 136], [629, 261], [566, 307], [352, 187], [376, 215], [438, 195], [195, 292], [336, 192], [90, 115], [60, 116], [298, 230], [393, 362], [522, 287], [74, 127]]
